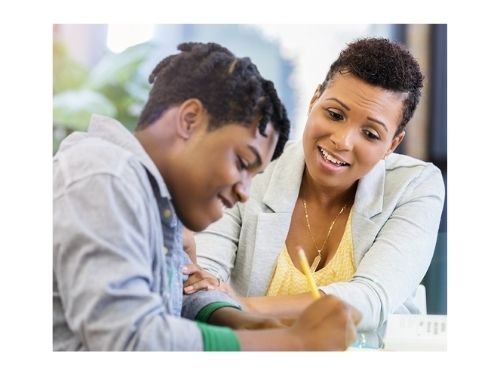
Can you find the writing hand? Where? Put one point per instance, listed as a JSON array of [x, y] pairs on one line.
[[327, 324]]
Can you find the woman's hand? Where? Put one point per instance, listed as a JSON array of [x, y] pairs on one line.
[[189, 244], [199, 279]]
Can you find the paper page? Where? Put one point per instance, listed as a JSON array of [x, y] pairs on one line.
[[415, 333]]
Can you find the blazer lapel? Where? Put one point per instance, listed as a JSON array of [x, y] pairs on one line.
[[272, 226], [367, 204], [284, 184], [270, 236]]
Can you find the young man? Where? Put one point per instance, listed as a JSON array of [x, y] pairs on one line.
[[121, 200]]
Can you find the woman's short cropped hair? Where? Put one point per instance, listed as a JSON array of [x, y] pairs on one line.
[[385, 64]]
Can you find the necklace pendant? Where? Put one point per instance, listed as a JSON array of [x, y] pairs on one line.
[[315, 263]]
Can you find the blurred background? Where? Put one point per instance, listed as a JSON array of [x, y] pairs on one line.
[[103, 68]]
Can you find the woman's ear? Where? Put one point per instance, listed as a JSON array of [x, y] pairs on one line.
[[396, 141], [191, 117], [315, 97]]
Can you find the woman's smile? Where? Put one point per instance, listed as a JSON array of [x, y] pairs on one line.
[[331, 162]]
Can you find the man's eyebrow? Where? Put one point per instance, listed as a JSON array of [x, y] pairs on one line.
[[338, 101], [378, 122], [258, 159]]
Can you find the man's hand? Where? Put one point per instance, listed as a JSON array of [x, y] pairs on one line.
[[237, 319], [328, 324]]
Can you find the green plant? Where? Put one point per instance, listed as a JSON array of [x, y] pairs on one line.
[[114, 87]]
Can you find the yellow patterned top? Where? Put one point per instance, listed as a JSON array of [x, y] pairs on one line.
[[289, 280]]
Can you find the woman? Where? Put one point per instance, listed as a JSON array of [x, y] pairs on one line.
[[367, 218]]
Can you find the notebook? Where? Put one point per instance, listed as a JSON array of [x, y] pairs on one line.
[[415, 333]]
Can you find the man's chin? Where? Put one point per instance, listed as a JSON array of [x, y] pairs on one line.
[[198, 217], [195, 226], [200, 224]]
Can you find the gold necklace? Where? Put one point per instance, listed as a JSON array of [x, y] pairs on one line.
[[317, 259]]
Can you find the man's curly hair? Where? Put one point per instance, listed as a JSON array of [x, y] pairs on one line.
[[231, 89], [385, 64]]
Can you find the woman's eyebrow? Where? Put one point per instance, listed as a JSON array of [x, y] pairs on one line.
[[338, 101], [378, 122], [369, 118]]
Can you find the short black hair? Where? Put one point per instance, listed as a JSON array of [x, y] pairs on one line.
[[385, 64], [230, 88]]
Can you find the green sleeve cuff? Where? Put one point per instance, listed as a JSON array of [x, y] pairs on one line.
[[218, 339], [204, 314]]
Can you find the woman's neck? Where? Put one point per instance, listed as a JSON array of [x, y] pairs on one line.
[[325, 196]]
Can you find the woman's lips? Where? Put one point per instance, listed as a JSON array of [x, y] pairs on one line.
[[331, 162]]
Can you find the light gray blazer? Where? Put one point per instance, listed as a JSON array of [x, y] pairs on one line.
[[395, 220]]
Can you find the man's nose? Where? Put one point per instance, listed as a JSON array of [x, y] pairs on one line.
[[242, 188]]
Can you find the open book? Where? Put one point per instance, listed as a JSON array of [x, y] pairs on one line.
[[415, 333]]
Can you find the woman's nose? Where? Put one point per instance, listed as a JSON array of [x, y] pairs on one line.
[[342, 137]]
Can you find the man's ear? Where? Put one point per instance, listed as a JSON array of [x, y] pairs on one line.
[[395, 142], [314, 98], [191, 117]]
